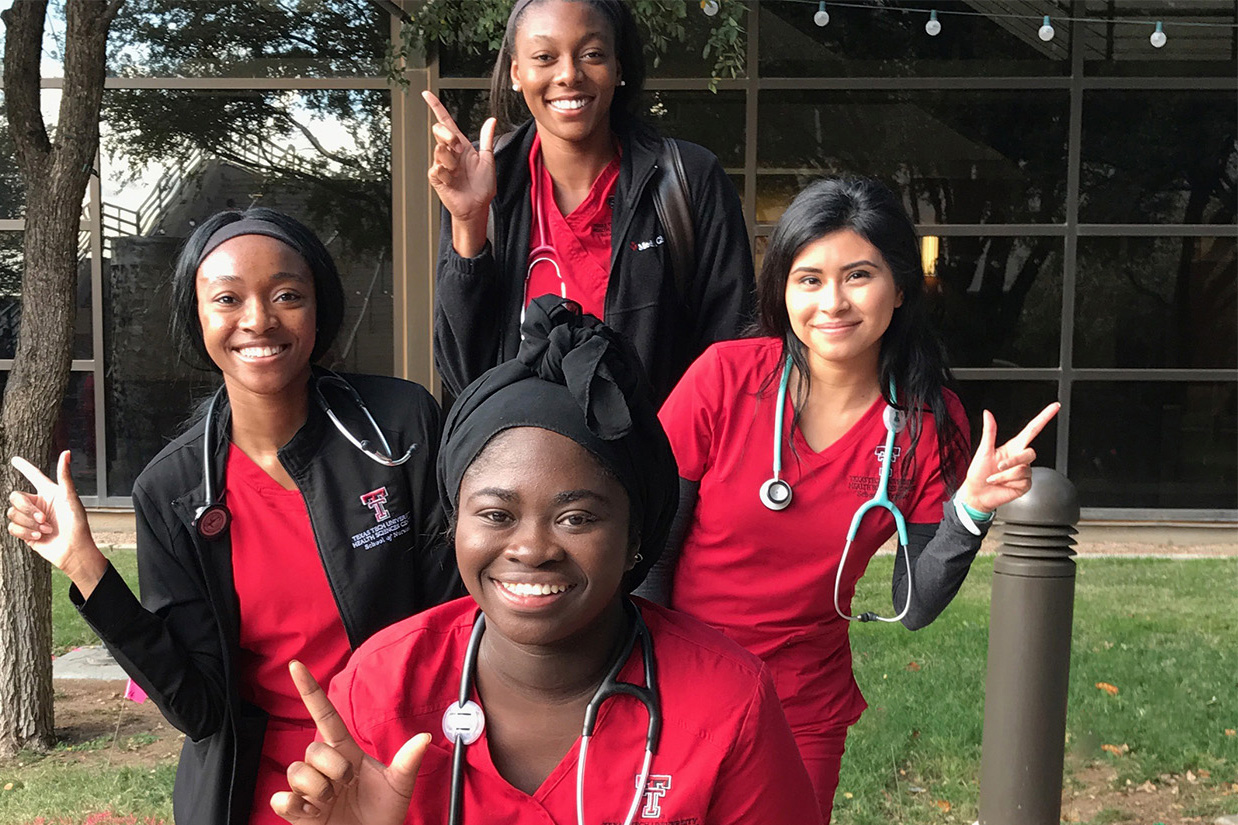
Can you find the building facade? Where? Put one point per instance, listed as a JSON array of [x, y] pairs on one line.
[[1076, 199]]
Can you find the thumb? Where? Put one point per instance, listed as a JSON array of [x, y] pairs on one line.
[[486, 142], [65, 477], [988, 435], [402, 772]]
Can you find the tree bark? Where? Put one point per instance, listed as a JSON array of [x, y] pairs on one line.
[[56, 174]]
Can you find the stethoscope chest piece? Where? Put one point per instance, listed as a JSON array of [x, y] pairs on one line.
[[213, 521], [464, 723], [776, 494]]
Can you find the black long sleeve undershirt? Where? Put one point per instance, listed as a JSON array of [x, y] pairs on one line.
[[940, 554]]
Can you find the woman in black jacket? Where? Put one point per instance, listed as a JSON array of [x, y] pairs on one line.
[[568, 204], [263, 533]]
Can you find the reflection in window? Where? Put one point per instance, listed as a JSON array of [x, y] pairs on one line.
[[882, 40], [998, 300], [1122, 49], [11, 267], [1159, 157], [172, 159], [954, 156], [1158, 445], [243, 38], [715, 121], [12, 188], [75, 430], [1013, 404], [1146, 303]]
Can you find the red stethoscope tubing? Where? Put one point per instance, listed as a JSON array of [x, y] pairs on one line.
[[544, 252]]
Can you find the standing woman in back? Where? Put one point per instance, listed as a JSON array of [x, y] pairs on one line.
[[286, 522], [579, 202]]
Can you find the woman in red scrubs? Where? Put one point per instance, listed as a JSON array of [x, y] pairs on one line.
[[562, 487], [566, 204], [327, 543], [844, 334]]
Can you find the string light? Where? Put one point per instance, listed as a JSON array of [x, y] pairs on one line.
[[1158, 37], [1046, 30], [821, 17], [933, 27], [710, 7]]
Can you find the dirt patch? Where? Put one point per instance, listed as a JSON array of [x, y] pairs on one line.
[[94, 720], [1093, 795]]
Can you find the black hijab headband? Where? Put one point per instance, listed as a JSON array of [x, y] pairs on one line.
[[576, 377]]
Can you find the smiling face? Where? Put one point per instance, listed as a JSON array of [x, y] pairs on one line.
[[563, 60], [841, 296], [257, 310], [542, 537]]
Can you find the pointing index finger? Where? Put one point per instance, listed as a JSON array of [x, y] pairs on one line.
[[1034, 426], [443, 116], [43, 485], [326, 718]]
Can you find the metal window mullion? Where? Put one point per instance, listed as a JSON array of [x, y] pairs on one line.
[[1007, 373], [1074, 154], [796, 84], [1154, 375], [1155, 230], [751, 111], [96, 327]]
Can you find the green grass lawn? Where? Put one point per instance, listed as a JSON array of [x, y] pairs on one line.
[[1164, 632]]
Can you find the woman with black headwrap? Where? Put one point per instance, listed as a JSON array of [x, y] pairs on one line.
[[561, 487]]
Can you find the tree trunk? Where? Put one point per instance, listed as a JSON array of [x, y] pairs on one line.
[[56, 176]]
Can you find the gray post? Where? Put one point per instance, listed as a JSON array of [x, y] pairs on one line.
[[1030, 617]]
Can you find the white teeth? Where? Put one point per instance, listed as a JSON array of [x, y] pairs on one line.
[[574, 103], [523, 589], [259, 352]]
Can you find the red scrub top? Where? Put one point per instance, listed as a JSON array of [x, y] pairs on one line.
[[287, 611], [581, 240], [726, 754], [766, 578]]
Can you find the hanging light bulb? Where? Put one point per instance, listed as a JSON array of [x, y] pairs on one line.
[[933, 27], [821, 17], [1046, 31], [710, 7], [1158, 37]]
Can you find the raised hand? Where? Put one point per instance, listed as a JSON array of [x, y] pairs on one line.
[[338, 783], [53, 522], [999, 475], [462, 176]]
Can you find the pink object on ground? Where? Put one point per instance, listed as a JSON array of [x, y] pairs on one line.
[[134, 693]]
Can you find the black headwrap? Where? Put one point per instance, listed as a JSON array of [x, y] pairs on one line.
[[576, 377]]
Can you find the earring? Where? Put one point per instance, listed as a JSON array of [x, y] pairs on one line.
[[639, 558], [515, 87], [623, 83]]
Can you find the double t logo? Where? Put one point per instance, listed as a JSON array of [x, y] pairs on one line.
[[375, 499]]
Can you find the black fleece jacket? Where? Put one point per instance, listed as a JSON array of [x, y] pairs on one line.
[[180, 643], [477, 300]]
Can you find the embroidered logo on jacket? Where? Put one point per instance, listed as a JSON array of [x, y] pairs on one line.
[[655, 789], [375, 499], [641, 246]]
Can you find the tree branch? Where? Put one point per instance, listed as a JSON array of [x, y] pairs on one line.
[[23, 45]]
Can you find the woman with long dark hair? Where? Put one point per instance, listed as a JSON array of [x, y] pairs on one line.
[[579, 201], [297, 517], [848, 382]]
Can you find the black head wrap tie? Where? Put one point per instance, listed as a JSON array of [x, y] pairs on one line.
[[574, 376]]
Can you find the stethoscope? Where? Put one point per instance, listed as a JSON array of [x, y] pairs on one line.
[[213, 518], [544, 251], [776, 495], [464, 721]]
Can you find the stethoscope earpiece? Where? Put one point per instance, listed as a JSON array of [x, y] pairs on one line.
[[776, 494]]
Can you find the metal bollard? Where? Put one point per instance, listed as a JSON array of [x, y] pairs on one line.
[[1030, 616]]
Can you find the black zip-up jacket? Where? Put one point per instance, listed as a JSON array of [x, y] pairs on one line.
[[477, 300], [180, 643]]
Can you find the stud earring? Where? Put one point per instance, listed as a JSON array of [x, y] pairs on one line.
[[623, 83], [515, 87]]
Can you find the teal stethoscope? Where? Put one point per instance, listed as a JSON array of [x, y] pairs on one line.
[[776, 495]]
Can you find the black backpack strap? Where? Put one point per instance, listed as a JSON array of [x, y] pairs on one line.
[[672, 200]]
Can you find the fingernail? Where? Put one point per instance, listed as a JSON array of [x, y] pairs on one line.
[[308, 809], [38, 516], [991, 480]]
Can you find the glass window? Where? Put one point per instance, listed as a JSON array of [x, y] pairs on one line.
[[75, 430], [954, 156], [715, 121], [1155, 444], [1146, 303], [1158, 157], [468, 107], [11, 267], [998, 300], [232, 151], [884, 40], [12, 187], [243, 38], [1013, 404], [1122, 48]]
